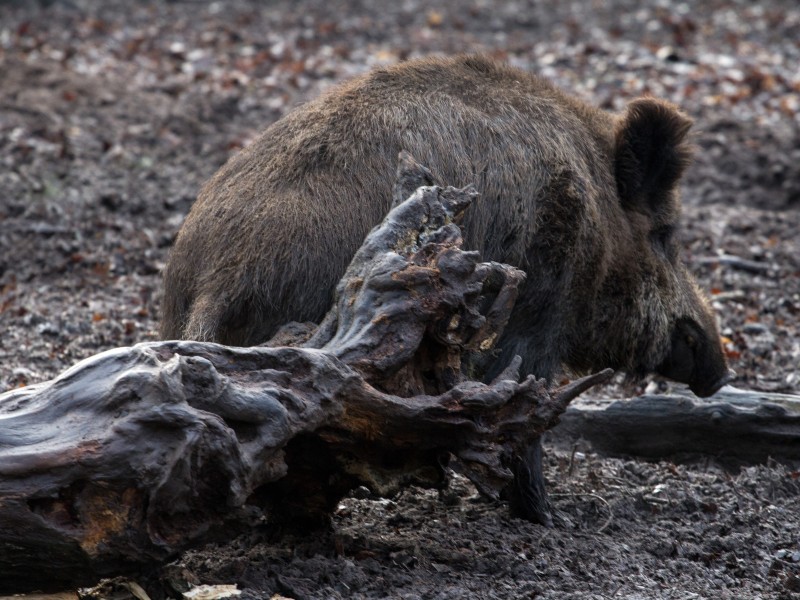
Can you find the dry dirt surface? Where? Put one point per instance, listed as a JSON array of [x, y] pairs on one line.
[[112, 114]]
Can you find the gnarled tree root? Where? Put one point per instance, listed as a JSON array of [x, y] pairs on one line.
[[136, 453]]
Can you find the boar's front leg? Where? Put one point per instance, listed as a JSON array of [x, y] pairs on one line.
[[528, 495]]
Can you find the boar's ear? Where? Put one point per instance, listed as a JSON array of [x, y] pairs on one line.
[[651, 153]]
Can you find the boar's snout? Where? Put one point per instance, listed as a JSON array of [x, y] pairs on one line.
[[704, 390], [696, 358]]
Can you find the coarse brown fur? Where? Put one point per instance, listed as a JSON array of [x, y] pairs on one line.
[[583, 200]]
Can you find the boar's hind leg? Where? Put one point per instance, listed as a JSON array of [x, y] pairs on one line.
[[203, 323]]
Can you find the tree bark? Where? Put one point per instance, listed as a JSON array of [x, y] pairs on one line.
[[734, 426], [136, 453]]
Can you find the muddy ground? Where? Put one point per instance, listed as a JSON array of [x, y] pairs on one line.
[[112, 114]]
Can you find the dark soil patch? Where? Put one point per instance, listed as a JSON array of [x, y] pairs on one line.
[[113, 114]]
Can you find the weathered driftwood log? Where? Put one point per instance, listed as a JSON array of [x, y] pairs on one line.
[[135, 453], [734, 426]]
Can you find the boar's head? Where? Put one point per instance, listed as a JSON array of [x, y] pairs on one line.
[[665, 322]]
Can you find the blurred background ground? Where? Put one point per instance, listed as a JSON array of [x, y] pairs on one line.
[[112, 114]]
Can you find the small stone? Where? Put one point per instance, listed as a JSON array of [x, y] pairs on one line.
[[48, 328], [755, 329], [361, 493]]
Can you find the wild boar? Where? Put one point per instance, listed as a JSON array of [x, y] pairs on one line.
[[583, 200]]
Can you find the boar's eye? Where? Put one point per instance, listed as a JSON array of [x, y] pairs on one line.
[[691, 341]]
